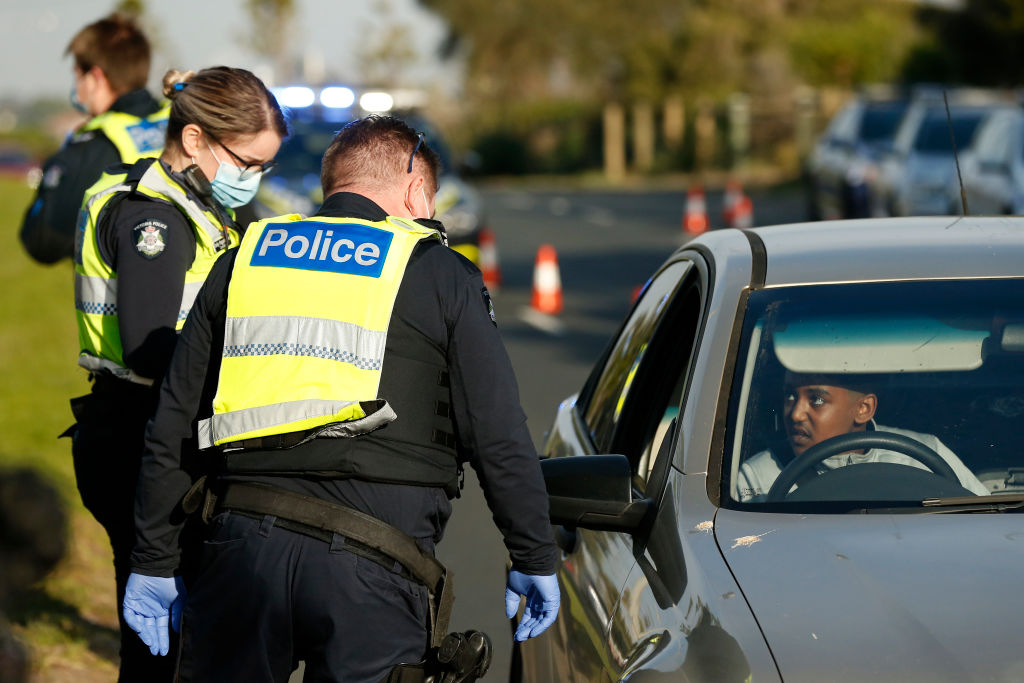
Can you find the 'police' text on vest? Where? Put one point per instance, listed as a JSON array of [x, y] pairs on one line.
[[308, 245]]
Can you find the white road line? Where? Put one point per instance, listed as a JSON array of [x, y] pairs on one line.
[[542, 321]]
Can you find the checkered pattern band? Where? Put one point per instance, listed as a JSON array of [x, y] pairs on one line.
[[310, 350], [95, 307]]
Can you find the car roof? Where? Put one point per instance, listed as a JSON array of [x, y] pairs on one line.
[[933, 247]]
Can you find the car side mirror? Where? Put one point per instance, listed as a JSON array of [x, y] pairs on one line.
[[593, 492]]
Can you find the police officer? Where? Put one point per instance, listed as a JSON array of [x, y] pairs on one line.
[[149, 233], [349, 361], [111, 66]]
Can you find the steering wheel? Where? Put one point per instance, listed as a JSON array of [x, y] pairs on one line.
[[856, 441]]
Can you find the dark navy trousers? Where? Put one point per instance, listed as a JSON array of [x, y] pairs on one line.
[[266, 597], [107, 450]]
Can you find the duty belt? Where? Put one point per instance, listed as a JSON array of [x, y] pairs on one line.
[[316, 517]]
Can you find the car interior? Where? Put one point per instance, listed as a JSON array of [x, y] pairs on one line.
[[957, 375]]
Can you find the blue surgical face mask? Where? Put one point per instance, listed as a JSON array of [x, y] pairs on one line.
[[75, 102], [229, 188]]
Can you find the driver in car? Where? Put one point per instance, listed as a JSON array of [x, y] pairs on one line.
[[819, 407]]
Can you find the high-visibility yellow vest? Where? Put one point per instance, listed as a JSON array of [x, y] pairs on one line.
[[96, 281], [308, 310], [135, 138]]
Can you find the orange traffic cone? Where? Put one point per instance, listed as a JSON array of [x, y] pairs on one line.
[[733, 193], [489, 260], [695, 220], [743, 216], [547, 283]]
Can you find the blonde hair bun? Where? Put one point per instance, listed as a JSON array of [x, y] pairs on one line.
[[174, 81]]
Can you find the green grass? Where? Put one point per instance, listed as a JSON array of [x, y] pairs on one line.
[[68, 621]]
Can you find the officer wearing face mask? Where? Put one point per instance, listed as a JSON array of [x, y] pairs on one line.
[[111, 66], [148, 235]]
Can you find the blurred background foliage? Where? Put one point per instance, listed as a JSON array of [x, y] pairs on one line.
[[539, 72], [693, 85]]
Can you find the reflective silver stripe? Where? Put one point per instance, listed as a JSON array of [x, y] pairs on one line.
[[228, 426], [301, 336], [154, 179], [94, 364], [84, 218], [95, 295], [120, 187], [188, 298]]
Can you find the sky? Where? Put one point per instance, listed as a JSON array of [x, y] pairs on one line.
[[199, 33]]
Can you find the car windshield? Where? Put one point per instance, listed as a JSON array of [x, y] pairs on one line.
[[881, 120], [918, 385], [933, 136]]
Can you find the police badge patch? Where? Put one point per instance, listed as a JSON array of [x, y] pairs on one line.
[[52, 176], [490, 305], [150, 238]]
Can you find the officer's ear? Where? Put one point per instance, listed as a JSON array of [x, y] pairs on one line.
[[101, 78], [191, 140], [416, 181], [413, 182]]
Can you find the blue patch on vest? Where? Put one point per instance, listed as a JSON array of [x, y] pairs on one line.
[[83, 221], [334, 247], [148, 136]]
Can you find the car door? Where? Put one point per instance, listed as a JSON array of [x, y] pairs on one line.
[[677, 612], [628, 407]]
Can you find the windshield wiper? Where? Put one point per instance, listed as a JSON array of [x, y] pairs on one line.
[[1001, 502]]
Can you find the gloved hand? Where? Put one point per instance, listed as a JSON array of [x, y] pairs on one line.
[[542, 600], [150, 603]]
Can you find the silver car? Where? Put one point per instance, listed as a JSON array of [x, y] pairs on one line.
[[916, 173], [800, 459], [842, 160], [993, 174]]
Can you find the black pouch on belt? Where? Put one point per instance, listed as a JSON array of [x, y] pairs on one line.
[[201, 497], [460, 658]]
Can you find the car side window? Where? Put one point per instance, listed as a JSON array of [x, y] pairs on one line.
[[640, 388], [615, 379], [658, 388]]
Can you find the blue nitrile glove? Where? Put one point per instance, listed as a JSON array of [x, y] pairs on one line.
[[150, 603], [542, 600]]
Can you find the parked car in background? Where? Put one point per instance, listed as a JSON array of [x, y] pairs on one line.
[[916, 172], [844, 157], [294, 186], [16, 162], [993, 173], [843, 566]]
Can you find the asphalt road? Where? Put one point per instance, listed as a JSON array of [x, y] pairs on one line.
[[608, 243]]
